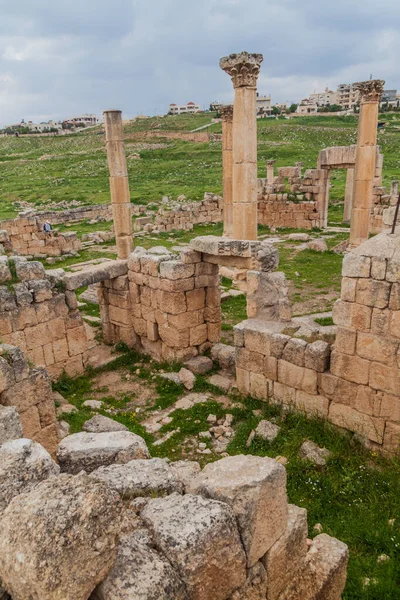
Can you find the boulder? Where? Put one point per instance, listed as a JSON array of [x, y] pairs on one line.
[[93, 404], [89, 451], [313, 453], [152, 477], [100, 424], [255, 586], [255, 489], [187, 378], [10, 424], [140, 573], [23, 464], [201, 540], [199, 365], [267, 431], [58, 541], [299, 237], [318, 244], [186, 471]]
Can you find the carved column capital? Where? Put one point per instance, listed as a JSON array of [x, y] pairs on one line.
[[226, 113], [243, 68], [371, 90], [270, 163]]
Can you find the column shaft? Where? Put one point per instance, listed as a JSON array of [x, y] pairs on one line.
[[348, 196], [227, 167]]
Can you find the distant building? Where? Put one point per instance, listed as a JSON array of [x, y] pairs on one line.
[[215, 106], [179, 109], [282, 106], [307, 107], [263, 104], [347, 95], [389, 97], [82, 121], [326, 98]]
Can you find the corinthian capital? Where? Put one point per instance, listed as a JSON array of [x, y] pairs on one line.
[[243, 68], [226, 113], [371, 90]]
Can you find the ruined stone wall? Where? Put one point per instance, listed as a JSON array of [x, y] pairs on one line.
[[168, 306], [209, 210], [296, 204], [27, 238], [28, 389], [354, 383], [40, 319]]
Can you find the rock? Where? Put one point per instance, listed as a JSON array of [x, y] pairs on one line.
[[313, 453], [23, 464], [65, 409], [151, 477], [383, 558], [267, 431], [222, 381], [250, 439], [255, 586], [93, 404], [255, 489], [89, 451], [318, 244], [205, 435], [100, 424], [174, 377], [299, 237], [200, 539], [186, 471], [140, 573], [68, 547], [191, 399], [199, 365], [282, 460], [10, 424], [187, 378], [27, 271], [64, 429], [211, 419], [318, 528]]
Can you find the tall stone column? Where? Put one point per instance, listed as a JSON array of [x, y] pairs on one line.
[[227, 158], [364, 171], [270, 171], [244, 69], [119, 185], [348, 195]]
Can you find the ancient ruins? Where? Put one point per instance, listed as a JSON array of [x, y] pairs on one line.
[[106, 520]]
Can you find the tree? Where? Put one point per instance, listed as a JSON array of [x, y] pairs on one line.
[[293, 108], [276, 110]]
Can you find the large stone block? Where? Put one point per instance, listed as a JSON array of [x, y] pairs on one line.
[[89, 451], [352, 368], [297, 377], [10, 424], [249, 361], [202, 543], [255, 489], [312, 404], [317, 356], [294, 351], [378, 348], [69, 546], [385, 378], [356, 266], [373, 293], [348, 418]]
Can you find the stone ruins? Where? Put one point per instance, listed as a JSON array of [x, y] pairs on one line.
[[108, 522]]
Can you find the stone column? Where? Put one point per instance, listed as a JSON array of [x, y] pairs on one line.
[[348, 195], [119, 186], [270, 171], [227, 158], [364, 171], [244, 69]]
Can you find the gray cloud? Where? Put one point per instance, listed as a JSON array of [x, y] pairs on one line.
[[61, 58]]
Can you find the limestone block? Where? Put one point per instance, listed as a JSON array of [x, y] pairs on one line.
[[378, 268], [202, 543], [89, 451], [243, 381], [373, 293], [385, 378], [277, 344], [186, 320], [249, 361], [286, 557], [356, 266], [347, 417], [173, 303], [311, 404], [196, 299], [199, 365], [352, 368], [297, 377], [391, 441], [100, 424], [284, 394], [393, 269], [174, 337], [7, 375], [41, 290], [255, 586], [221, 246], [258, 386], [323, 574], [316, 356], [345, 341], [10, 424], [23, 464], [257, 338], [29, 270], [175, 269], [7, 299], [186, 471], [255, 489], [373, 347], [140, 572], [267, 431], [213, 297], [78, 509], [189, 256], [348, 292], [294, 351], [77, 340], [214, 332], [390, 407]]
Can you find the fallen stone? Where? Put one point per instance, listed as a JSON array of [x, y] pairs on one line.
[[65, 409], [250, 439], [89, 451], [255, 489], [267, 431], [199, 365], [299, 237], [93, 404], [64, 429], [191, 399], [100, 424], [174, 377], [187, 378], [10, 424], [23, 464], [318, 244], [68, 547], [200, 539], [255, 586], [151, 477], [313, 453], [185, 471], [140, 573], [211, 419], [224, 382]]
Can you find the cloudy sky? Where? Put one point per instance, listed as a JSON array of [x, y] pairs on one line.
[[59, 58]]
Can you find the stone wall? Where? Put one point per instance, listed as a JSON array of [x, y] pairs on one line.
[[28, 389], [296, 204], [354, 383], [27, 238], [209, 210], [39, 318]]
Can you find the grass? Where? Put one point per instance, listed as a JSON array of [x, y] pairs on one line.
[[324, 321]]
